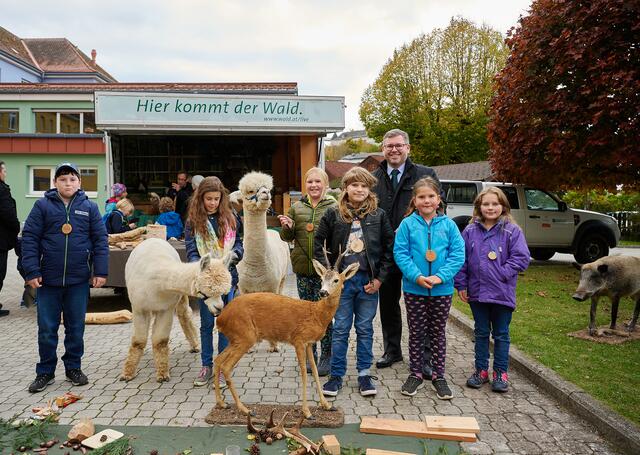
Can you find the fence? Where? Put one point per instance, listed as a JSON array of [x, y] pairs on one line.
[[629, 224]]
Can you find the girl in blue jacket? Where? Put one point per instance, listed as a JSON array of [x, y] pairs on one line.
[[429, 251], [496, 251], [212, 227]]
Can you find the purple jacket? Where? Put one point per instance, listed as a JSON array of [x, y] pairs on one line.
[[492, 281]]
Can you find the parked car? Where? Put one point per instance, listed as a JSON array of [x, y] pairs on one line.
[[548, 224]]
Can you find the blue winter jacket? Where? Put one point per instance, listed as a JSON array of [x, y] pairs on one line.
[[411, 245], [173, 223], [238, 248], [64, 260], [493, 281]]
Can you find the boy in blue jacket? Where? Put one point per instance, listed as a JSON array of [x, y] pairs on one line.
[[63, 238]]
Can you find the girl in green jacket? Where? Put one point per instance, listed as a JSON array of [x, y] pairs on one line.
[[300, 226]]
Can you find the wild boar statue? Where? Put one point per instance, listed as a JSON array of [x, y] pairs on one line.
[[613, 276]]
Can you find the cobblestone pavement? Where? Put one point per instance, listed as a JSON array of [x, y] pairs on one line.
[[524, 421]]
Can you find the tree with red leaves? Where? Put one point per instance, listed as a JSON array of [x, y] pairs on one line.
[[566, 113]]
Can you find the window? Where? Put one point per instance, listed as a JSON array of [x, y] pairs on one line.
[[65, 122], [9, 121], [540, 200], [46, 122], [460, 193], [512, 196], [41, 180]]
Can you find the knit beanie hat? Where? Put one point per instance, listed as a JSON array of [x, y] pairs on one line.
[[118, 189]]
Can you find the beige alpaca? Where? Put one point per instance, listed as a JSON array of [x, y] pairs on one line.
[[158, 284], [264, 265], [251, 318]]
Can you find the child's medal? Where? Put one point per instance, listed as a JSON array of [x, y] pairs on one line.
[[492, 255], [356, 245], [309, 227], [66, 228], [431, 255]]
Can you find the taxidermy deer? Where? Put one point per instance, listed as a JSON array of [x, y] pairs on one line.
[[251, 318]]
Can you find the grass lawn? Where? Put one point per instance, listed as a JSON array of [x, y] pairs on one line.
[[624, 243], [546, 313]]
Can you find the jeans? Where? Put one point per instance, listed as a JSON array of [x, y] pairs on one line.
[[356, 308], [495, 319], [71, 301], [207, 321]]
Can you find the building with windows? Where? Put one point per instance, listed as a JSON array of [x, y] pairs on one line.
[[47, 60], [143, 134]]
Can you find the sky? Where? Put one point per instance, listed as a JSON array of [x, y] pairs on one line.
[[330, 48]]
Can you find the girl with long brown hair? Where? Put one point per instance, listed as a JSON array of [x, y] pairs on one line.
[[212, 227]]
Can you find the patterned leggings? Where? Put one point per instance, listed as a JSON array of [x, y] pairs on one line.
[[427, 315], [309, 289]]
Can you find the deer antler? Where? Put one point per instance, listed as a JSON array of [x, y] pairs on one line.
[[326, 254], [346, 252], [295, 434]]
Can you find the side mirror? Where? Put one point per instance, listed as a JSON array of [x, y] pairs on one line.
[[562, 206]]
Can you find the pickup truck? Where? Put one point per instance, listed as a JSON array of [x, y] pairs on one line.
[[549, 225]]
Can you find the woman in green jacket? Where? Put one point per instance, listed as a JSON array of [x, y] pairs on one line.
[[300, 226]]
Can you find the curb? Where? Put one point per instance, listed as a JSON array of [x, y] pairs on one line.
[[619, 431]]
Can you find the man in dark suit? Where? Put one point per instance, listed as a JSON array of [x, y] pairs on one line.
[[396, 176], [9, 226]]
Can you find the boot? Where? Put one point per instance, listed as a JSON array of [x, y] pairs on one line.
[[325, 364]]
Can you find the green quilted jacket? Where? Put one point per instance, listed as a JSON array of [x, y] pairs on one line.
[[302, 213]]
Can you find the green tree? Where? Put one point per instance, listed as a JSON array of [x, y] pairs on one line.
[[438, 89]]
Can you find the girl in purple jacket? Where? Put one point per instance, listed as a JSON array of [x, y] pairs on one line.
[[496, 251]]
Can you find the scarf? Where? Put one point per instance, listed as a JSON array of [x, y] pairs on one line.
[[213, 245]]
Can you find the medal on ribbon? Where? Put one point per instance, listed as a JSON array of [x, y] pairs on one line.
[[431, 255], [309, 227], [356, 245], [66, 228], [492, 255]]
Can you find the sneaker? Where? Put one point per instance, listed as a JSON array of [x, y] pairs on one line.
[[222, 381], [477, 379], [332, 386], [325, 365], [41, 382], [442, 388], [77, 377], [366, 386], [206, 373], [500, 382], [411, 385]]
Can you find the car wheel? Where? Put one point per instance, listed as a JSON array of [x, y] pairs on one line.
[[591, 248], [542, 254]]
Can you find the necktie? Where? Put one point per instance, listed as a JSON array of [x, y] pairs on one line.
[[394, 178]]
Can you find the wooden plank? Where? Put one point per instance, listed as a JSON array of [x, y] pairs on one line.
[[456, 424], [410, 428], [386, 452]]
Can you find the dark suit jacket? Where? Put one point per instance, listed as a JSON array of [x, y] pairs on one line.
[[395, 203], [9, 224]]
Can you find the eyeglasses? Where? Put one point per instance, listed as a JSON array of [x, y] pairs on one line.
[[394, 146]]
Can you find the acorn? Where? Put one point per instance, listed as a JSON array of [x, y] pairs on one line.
[[269, 440]]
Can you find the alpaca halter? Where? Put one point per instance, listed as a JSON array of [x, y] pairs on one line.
[[255, 196]]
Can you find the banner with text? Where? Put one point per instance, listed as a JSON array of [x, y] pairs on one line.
[[172, 111]]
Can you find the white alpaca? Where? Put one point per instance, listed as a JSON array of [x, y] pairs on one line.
[[264, 265], [158, 284]]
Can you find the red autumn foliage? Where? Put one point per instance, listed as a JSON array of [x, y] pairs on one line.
[[566, 113]]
